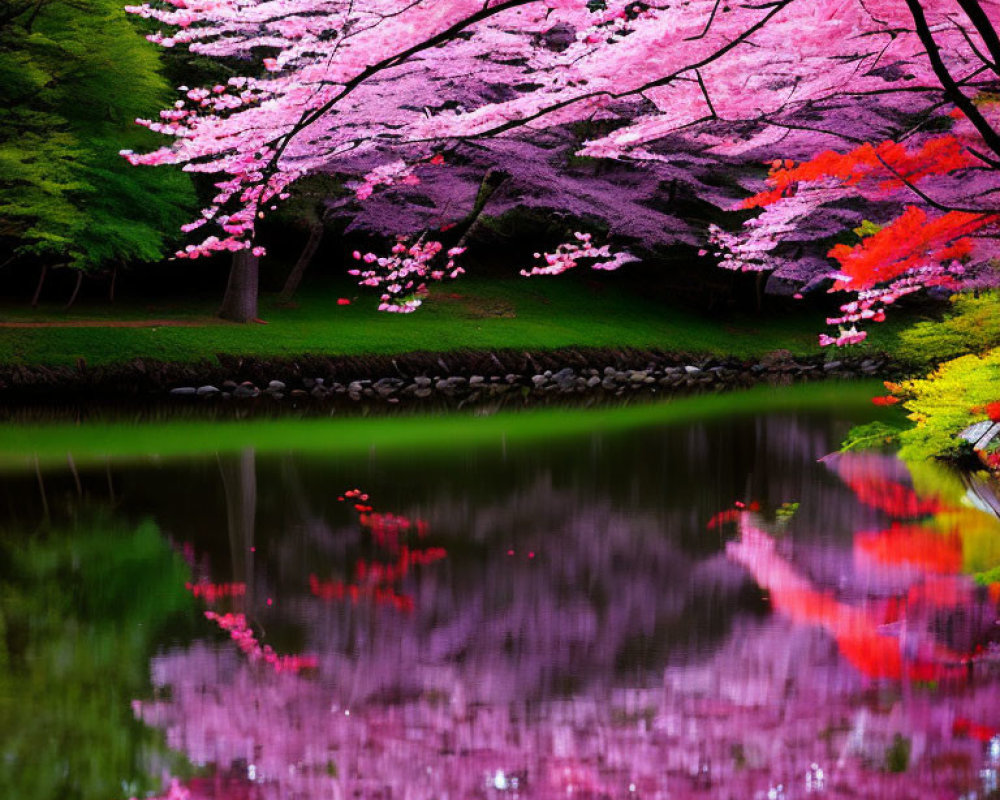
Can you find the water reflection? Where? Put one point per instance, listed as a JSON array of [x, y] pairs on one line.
[[574, 621]]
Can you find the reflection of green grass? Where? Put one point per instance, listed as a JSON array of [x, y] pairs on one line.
[[471, 314], [20, 445], [80, 611]]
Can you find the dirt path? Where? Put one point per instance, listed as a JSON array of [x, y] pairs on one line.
[[109, 323]]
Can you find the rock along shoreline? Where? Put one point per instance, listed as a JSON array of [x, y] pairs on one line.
[[455, 379]]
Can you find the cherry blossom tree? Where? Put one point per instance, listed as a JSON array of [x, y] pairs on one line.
[[329, 81]]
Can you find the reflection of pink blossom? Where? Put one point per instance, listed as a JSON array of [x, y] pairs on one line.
[[176, 791], [444, 701], [246, 640], [879, 637]]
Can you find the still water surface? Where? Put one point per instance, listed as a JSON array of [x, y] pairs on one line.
[[707, 609]]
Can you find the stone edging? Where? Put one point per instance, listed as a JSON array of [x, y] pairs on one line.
[[456, 378]]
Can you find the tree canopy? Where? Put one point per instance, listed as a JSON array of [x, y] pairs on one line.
[[74, 74]]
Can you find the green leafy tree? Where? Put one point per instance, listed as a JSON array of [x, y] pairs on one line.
[[74, 74]]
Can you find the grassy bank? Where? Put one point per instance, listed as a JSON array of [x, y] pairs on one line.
[[25, 446], [469, 314]]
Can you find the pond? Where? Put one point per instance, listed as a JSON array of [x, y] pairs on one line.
[[687, 600]]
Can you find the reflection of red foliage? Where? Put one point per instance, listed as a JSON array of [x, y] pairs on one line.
[[210, 592], [913, 545], [374, 572], [892, 497], [732, 515], [966, 727], [338, 590], [939, 591], [374, 579], [857, 630], [240, 632], [387, 528], [878, 656]]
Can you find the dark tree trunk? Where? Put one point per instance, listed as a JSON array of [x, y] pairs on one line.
[[305, 257], [239, 484], [111, 289], [38, 288], [76, 290], [491, 182], [240, 301]]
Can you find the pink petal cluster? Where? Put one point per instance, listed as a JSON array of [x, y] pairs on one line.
[[395, 173], [569, 254], [403, 274], [849, 336]]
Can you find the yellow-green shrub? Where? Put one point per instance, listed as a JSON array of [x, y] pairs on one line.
[[972, 326], [942, 404]]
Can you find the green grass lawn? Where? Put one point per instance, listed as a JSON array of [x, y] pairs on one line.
[[469, 314]]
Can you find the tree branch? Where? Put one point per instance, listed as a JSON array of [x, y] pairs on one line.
[[985, 29], [711, 18], [926, 197], [951, 88]]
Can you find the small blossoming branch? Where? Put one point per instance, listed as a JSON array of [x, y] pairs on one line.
[[403, 274], [569, 254]]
